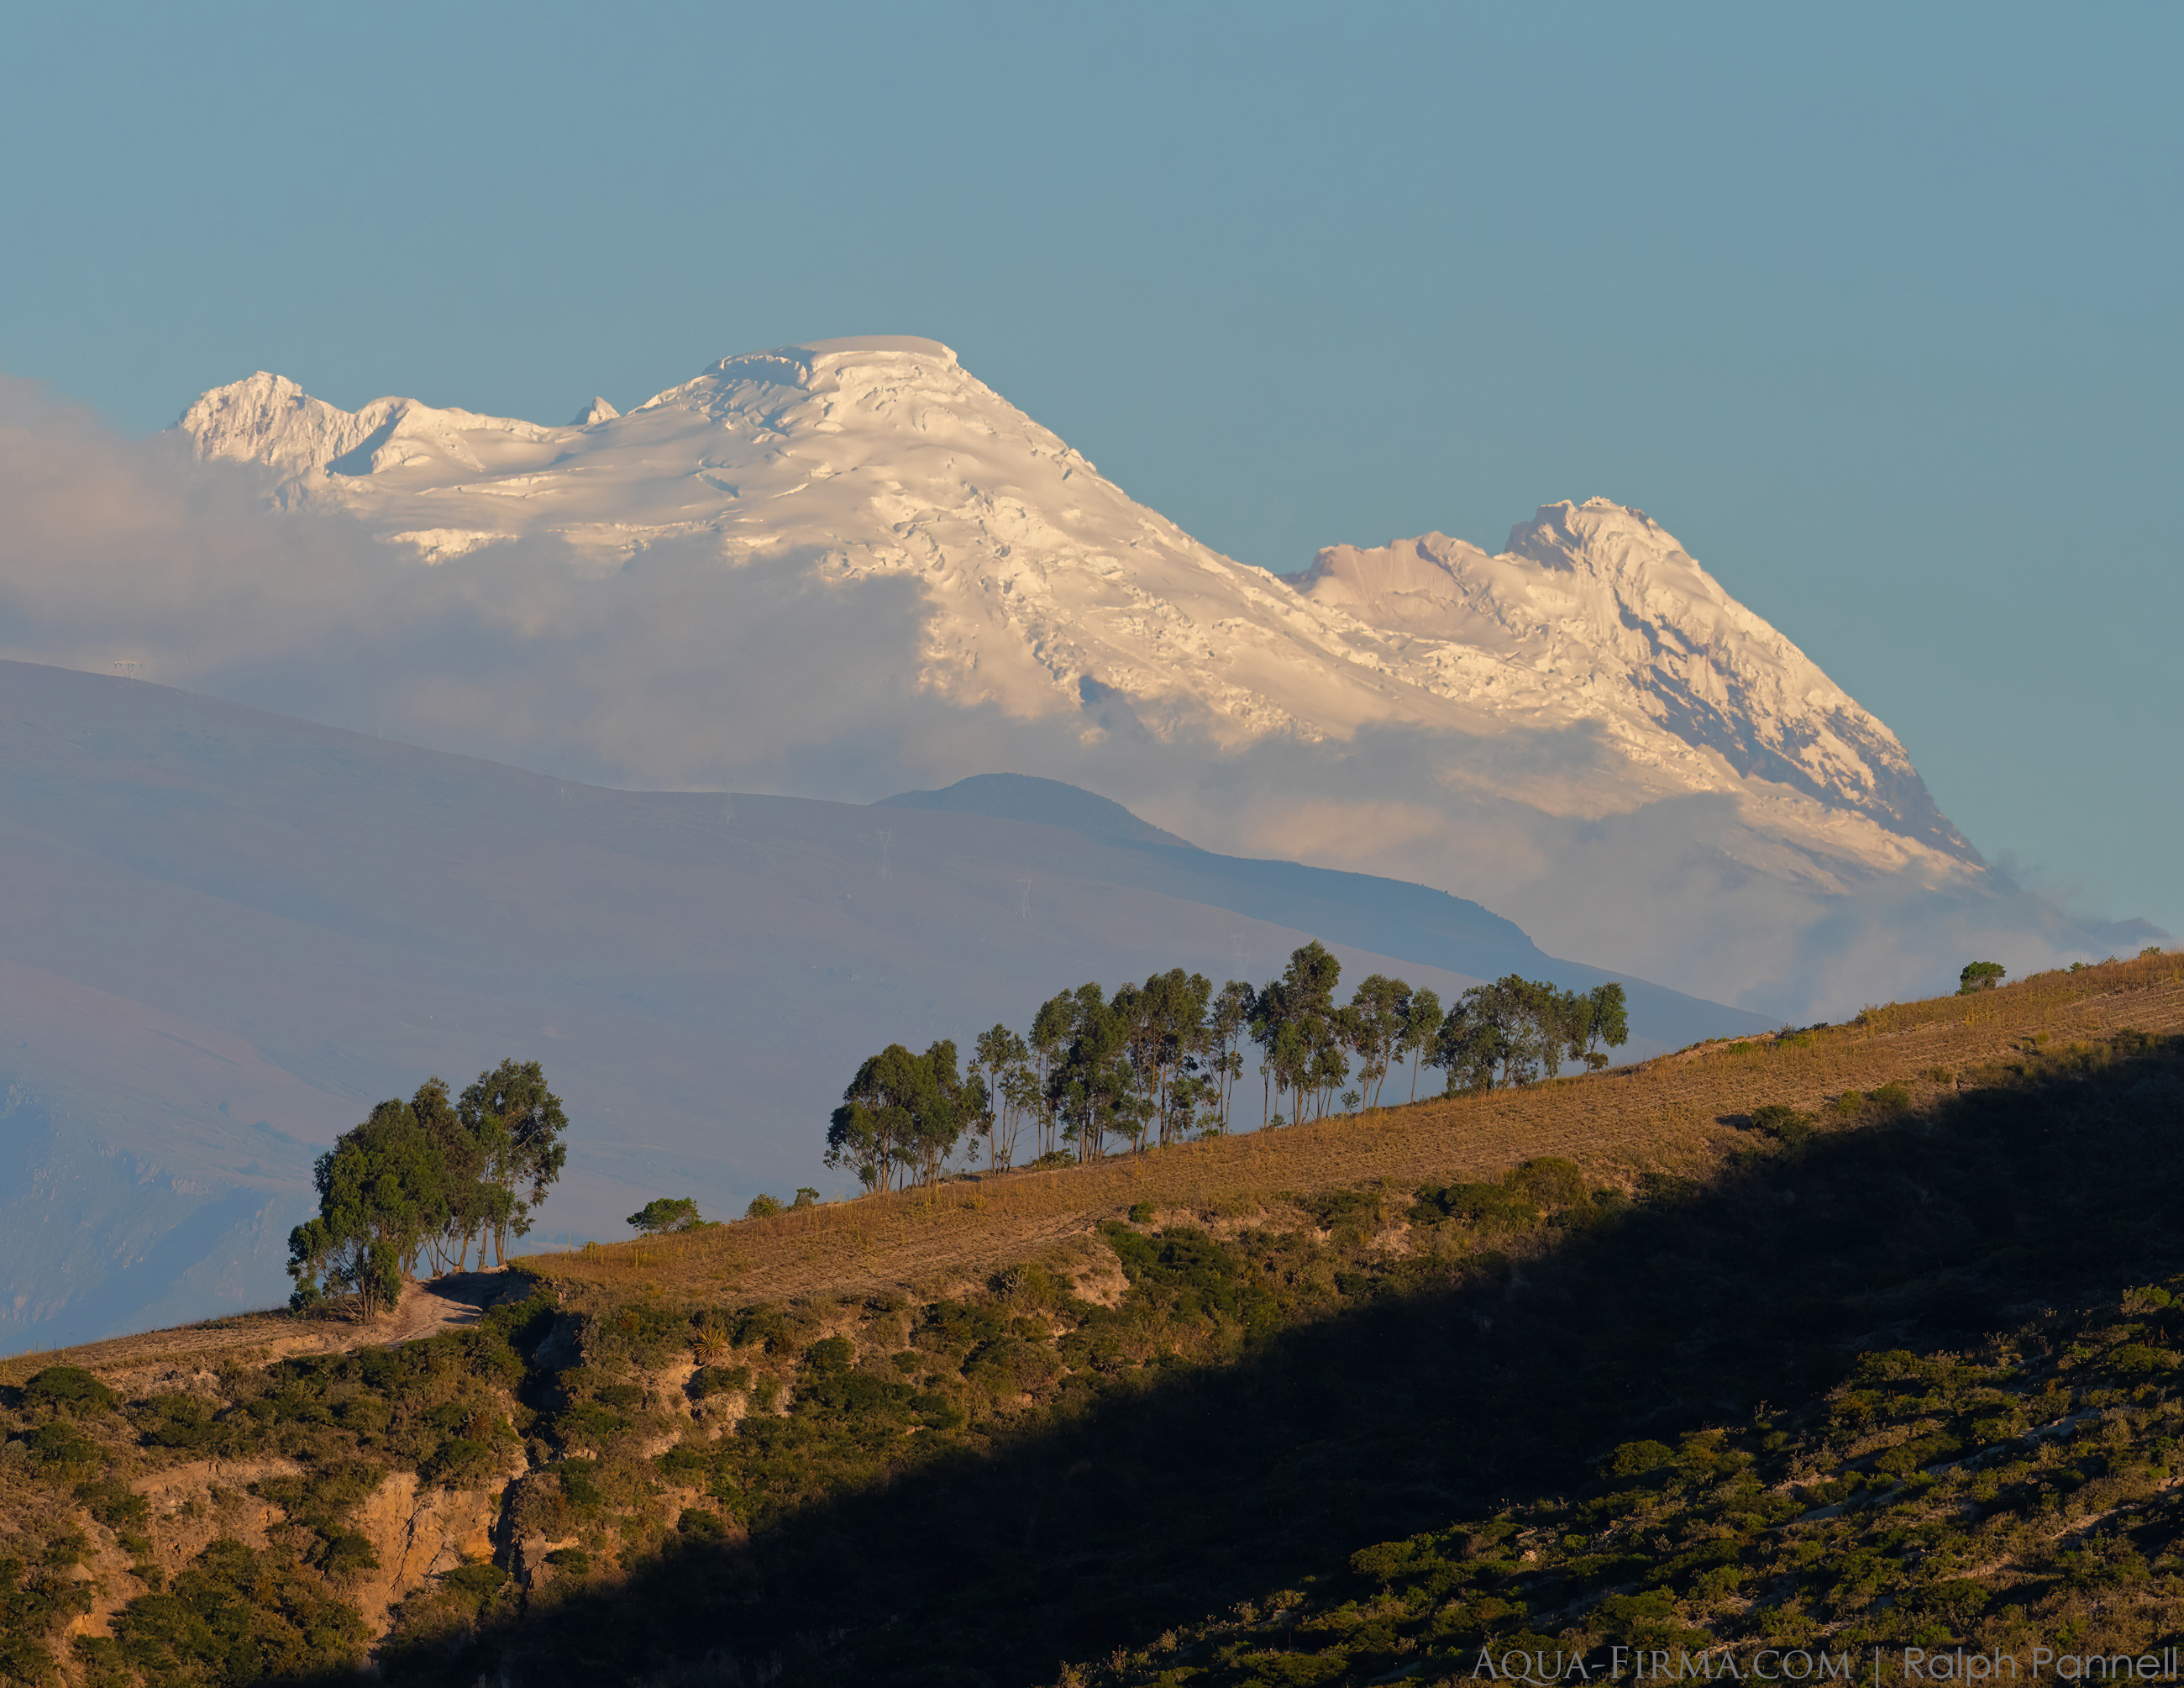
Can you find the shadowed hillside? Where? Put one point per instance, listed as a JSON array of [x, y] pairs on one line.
[[1219, 1389]]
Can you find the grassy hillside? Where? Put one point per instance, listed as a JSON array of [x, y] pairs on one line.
[[1678, 1114], [1859, 1335]]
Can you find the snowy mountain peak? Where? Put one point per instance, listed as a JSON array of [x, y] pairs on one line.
[[1050, 595], [597, 410], [266, 418], [1596, 605]]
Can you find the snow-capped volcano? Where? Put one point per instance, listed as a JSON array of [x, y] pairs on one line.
[[1050, 593], [1595, 611]]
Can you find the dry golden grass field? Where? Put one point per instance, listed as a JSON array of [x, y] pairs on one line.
[[1678, 1114]]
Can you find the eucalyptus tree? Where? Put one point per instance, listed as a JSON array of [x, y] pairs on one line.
[[1422, 1018], [1602, 1015], [1288, 1057], [519, 1124], [419, 1180], [663, 1214], [1051, 1031], [1481, 1042], [1012, 1092], [902, 1113], [1516, 1031], [953, 1101], [382, 1191], [868, 1132], [1373, 1027], [1610, 1023], [1167, 1032], [392, 1195], [1228, 1022], [1295, 1024], [1097, 1080], [468, 1200]]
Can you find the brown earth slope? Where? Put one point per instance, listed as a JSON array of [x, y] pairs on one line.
[[1679, 1113]]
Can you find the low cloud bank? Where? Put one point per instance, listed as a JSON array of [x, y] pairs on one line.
[[676, 670]]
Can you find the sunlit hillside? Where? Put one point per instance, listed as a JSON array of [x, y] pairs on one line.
[[1631, 1357]]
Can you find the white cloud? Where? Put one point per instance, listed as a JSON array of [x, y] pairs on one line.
[[677, 670]]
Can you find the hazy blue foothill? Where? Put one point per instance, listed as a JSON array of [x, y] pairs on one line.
[[1410, 923], [224, 934]]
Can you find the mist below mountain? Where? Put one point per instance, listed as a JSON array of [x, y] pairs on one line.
[[850, 569], [224, 934]]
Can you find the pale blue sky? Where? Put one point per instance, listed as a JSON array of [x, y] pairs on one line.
[[1875, 307]]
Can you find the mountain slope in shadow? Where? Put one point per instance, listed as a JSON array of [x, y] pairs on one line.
[[224, 934]]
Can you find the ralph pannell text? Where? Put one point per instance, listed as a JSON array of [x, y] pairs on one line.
[[1803, 1666]]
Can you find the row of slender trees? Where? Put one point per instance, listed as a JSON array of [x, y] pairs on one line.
[[1159, 1062], [422, 1181]]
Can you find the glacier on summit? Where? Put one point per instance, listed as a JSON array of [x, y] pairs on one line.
[[884, 456], [848, 567]]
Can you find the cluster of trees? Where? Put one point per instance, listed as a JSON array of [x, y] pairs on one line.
[[1518, 1030], [420, 1182], [1979, 976], [1160, 1062], [665, 1214]]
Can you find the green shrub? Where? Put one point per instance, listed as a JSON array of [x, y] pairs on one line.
[[114, 1504], [459, 1462], [1549, 1182], [709, 1381], [1392, 1561], [1636, 1459], [648, 1336], [38, 1596], [1141, 1213], [1350, 1215], [345, 1555], [834, 1354], [61, 1448], [2139, 1359], [1889, 1101], [474, 1587], [69, 1388], [176, 1421], [1012, 1366], [1188, 1274], [1490, 1209], [580, 1483], [1783, 1123], [235, 1616], [586, 1423]]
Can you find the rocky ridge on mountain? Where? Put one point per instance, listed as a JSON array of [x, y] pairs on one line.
[[1048, 590]]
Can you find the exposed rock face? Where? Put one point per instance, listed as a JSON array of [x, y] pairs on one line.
[[416, 1533]]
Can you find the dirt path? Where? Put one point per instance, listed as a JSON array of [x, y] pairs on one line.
[[427, 1308]]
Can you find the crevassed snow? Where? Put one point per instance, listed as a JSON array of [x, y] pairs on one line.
[[1048, 587]]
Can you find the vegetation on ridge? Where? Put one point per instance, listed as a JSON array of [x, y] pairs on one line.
[[1175, 1443], [1159, 1063], [422, 1180]]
